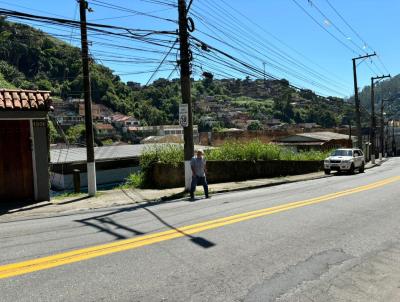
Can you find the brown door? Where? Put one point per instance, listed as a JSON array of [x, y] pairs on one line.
[[16, 175]]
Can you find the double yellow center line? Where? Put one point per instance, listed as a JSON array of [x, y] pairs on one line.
[[20, 268]]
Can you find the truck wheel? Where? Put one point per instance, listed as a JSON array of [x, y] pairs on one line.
[[362, 168], [351, 171], [327, 172]]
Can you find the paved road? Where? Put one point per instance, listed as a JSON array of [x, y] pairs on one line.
[[332, 239]]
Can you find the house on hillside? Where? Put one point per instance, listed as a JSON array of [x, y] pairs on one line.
[[65, 114], [315, 141], [162, 130], [308, 125], [99, 111], [24, 146], [105, 130], [123, 122], [69, 119], [272, 122]]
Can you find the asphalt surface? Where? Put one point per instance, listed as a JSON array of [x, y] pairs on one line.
[[346, 248]]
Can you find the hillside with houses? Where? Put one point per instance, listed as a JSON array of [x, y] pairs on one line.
[[130, 112]]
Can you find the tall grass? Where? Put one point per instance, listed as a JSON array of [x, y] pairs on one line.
[[253, 150], [256, 150], [168, 154]]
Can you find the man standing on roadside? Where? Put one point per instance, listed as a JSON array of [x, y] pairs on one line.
[[198, 165]]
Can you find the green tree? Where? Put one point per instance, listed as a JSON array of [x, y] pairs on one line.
[[54, 136], [255, 125], [76, 133]]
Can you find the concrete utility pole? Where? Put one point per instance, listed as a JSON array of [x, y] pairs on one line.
[[382, 130], [387, 139], [185, 57], [393, 140], [91, 166], [356, 99], [373, 118]]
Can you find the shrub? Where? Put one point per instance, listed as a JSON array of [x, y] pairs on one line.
[[107, 142], [135, 180], [253, 150]]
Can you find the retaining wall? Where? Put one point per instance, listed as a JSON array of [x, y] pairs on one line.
[[168, 176]]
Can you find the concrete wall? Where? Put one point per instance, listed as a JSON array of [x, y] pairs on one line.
[[107, 172], [66, 182], [41, 159], [167, 176]]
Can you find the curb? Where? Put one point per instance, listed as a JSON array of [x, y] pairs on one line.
[[177, 197], [278, 183], [377, 164]]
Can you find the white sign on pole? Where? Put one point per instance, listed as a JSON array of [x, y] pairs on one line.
[[184, 115]]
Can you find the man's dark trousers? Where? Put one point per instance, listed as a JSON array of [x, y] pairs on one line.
[[198, 180]]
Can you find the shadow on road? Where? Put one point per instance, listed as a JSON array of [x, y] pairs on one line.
[[197, 240], [20, 206], [105, 223]]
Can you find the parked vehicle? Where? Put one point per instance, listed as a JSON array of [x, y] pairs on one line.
[[345, 160]]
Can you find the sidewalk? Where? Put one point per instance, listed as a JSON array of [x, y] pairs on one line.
[[119, 197]]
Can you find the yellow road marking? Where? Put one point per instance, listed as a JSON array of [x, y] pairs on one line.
[[20, 268]]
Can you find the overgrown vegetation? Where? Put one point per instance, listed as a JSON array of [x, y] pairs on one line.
[[53, 134], [107, 142], [254, 150], [135, 180]]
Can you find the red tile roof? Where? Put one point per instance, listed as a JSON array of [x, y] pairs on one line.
[[104, 126], [18, 99]]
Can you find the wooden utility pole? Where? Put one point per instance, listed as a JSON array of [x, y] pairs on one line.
[[91, 166], [357, 100], [373, 118], [185, 88]]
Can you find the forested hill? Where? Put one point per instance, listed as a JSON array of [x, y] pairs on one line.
[[388, 89], [31, 59]]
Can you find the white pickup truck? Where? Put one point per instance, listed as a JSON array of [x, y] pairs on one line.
[[345, 160]]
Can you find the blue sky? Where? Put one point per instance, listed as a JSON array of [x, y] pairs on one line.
[[275, 32]]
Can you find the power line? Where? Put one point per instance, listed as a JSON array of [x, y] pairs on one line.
[[323, 28], [124, 9], [250, 44], [313, 4], [365, 44], [162, 61], [255, 70], [272, 62], [279, 40], [93, 26]]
